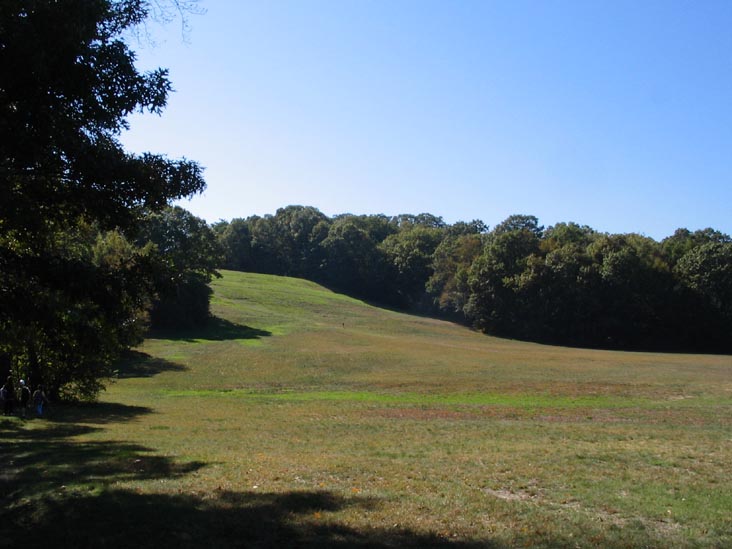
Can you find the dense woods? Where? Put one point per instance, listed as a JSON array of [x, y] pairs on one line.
[[566, 284]]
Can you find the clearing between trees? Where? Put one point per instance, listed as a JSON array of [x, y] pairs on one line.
[[301, 417]]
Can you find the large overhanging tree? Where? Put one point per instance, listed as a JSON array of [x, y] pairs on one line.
[[73, 292]]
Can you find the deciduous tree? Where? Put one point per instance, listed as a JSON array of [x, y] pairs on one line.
[[68, 83]]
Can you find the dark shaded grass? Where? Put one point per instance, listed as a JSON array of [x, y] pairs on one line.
[[138, 364], [215, 329], [94, 412], [120, 518]]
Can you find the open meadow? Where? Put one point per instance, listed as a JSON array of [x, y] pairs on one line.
[[304, 417]]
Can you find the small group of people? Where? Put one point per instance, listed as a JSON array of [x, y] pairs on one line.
[[9, 397]]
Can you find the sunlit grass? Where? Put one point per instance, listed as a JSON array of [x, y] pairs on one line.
[[421, 430]]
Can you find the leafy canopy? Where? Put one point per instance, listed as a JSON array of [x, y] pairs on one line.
[[68, 301]]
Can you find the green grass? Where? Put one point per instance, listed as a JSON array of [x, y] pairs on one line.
[[302, 417]]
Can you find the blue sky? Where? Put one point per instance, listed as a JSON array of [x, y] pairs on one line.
[[613, 114]]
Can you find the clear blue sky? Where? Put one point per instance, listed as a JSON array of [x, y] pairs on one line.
[[614, 114]]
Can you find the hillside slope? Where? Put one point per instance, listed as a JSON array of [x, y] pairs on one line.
[[281, 332]]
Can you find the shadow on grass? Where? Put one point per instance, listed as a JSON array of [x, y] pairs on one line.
[[10, 430], [120, 518], [59, 491], [55, 488], [47, 462], [94, 412], [138, 364], [215, 329]]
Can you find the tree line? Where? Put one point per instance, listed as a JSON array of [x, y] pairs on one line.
[[566, 284]]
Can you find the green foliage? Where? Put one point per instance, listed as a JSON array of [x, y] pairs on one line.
[[408, 221], [302, 229], [564, 284], [705, 274], [352, 261], [707, 270], [69, 82], [235, 240], [187, 253], [72, 290], [519, 223], [451, 262], [683, 241], [410, 253], [574, 286], [87, 301], [286, 243], [564, 234], [497, 277]]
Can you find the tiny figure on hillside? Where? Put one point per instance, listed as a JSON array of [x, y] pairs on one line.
[[8, 392], [25, 396], [39, 400]]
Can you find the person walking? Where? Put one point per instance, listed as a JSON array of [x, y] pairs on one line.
[[8, 397], [25, 396], [39, 400]]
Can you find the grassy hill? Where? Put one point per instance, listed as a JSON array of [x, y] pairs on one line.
[[304, 417]]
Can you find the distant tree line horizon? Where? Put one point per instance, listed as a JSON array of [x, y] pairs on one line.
[[564, 284]]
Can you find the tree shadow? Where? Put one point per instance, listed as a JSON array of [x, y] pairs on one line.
[[94, 412], [139, 364], [123, 518], [46, 463], [10, 430], [49, 466], [58, 490], [215, 329]]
